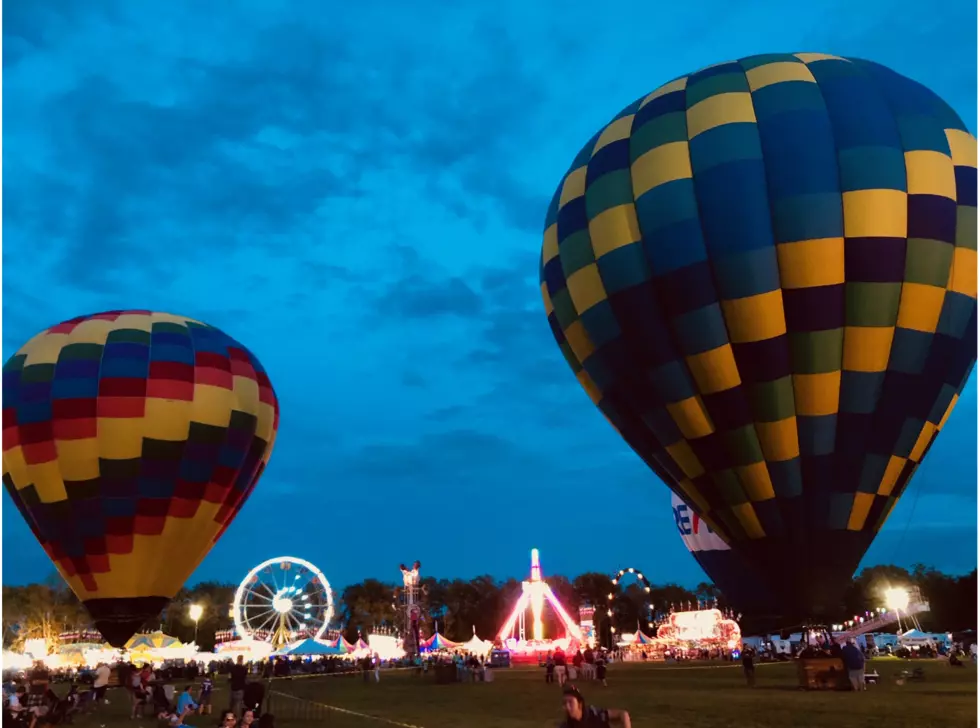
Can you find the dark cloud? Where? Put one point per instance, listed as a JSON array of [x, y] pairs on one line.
[[452, 454], [413, 379], [416, 297], [202, 152]]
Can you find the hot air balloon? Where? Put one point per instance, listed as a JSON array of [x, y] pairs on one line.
[[764, 274], [741, 586], [131, 439]]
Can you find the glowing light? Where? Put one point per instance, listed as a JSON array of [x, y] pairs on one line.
[[703, 626], [282, 604], [896, 598], [535, 565], [537, 606], [534, 593], [36, 648], [387, 647], [195, 611]]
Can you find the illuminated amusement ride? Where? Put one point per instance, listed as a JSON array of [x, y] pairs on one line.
[[282, 600], [534, 593]]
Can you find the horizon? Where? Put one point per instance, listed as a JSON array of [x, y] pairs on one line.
[[369, 224]]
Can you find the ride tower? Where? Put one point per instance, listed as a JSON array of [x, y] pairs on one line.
[[411, 595]]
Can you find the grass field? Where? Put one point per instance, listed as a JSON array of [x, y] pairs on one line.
[[699, 696]]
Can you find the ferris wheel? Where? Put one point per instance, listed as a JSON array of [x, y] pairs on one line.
[[283, 599]]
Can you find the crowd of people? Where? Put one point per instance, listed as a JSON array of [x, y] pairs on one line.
[[31, 702], [590, 664]]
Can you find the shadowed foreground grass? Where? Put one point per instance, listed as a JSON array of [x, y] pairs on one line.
[[655, 695]]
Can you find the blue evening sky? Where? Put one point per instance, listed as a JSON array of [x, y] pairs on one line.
[[356, 191]]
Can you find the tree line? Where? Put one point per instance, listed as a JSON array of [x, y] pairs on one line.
[[458, 606]]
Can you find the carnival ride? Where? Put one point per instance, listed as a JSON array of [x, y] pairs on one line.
[[410, 596], [642, 580], [534, 593], [283, 599]]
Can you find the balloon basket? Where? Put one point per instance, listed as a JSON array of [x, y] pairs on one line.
[[822, 673]]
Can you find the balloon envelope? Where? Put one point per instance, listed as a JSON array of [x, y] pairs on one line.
[[131, 439], [743, 589], [764, 275]]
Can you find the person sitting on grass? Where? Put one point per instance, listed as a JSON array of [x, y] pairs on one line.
[[185, 703], [580, 715]]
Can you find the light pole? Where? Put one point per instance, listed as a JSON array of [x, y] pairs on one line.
[[195, 611]]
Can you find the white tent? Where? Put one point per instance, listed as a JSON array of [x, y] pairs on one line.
[[477, 646]]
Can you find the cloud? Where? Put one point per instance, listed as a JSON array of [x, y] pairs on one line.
[[360, 200]]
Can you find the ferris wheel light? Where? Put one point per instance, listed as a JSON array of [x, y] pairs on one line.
[[305, 597], [282, 604]]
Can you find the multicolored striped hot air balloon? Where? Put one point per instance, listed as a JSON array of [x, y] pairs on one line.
[[764, 274], [131, 439]]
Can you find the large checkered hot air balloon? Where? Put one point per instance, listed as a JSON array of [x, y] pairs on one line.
[[764, 274], [131, 439]]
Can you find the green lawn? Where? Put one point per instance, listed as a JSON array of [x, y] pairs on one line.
[[655, 694]]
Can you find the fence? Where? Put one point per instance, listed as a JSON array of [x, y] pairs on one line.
[[297, 701]]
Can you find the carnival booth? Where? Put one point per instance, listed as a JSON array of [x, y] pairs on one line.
[[251, 650], [639, 646], [691, 634]]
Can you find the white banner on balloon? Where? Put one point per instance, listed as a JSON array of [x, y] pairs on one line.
[[695, 533]]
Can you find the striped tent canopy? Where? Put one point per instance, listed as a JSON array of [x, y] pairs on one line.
[[640, 638], [152, 641], [359, 645], [307, 647], [339, 645], [438, 642]]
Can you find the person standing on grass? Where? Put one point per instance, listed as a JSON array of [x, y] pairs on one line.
[[561, 669], [748, 666], [101, 683], [239, 677], [600, 669], [580, 715], [204, 699], [854, 664]]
